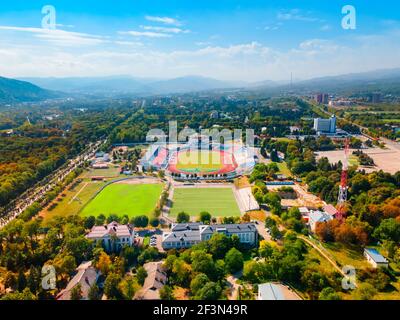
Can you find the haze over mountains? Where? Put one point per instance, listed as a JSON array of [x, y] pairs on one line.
[[20, 91], [36, 89]]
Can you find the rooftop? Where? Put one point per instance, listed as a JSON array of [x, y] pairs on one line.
[[376, 256], [276, 291], [113, 228]]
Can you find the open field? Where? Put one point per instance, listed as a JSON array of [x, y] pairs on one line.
[[202, 162], [220, 202], [73, 200], [385, 159], [283, 169], [124, 198], [112, 172]]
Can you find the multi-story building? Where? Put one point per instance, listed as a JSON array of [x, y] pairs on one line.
[[187, 235], [113, 236], [325, 125], [321, 98]]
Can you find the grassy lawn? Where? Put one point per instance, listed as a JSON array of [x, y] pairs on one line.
[[199, 161], [74, 199], [112, 172], [345, 255], [121, 199], [220, 202], [283, 169], [353, 161]]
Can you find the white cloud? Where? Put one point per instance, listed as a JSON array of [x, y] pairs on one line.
[[165, 29], [296, 14], [147, 34], [165, 20], [59, 37], [251, 61]]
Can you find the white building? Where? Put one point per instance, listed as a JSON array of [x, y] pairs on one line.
[[322, 126], [187, 235], [318, 216], [375, 258], [112, 236]]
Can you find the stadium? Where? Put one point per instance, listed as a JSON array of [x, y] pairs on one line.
[[200, 159]]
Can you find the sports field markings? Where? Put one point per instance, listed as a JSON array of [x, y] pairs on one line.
[[77, 194]]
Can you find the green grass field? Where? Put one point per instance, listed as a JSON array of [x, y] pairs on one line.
[[199, 161], [220, 202], [121, 199]]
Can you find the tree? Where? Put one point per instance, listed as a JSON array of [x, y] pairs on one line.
[[76, 292], [89, 222], [234, 260], [21, 281], [183, 217], [202, 262], [389, 229], [154, 222], [111, 286], [140, 221], [198, 282], [205, 217], [181, 273], [141, 275], [94, 292], [129, 287], [329, 294], [365, 291], [20, 296], [219, 245], [167, 293], [104, 263], [210, 291]]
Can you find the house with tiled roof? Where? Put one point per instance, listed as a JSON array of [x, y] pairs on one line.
[[86, 277], [112, 236], [155, 280]]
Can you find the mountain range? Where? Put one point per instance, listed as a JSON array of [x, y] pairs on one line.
[[20, 91], [36, 89]]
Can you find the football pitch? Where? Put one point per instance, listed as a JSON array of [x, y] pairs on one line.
[[124, 199], [219, 202], [199, 161]]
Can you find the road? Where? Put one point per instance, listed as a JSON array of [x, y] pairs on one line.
[[323, 253], [234, 286], [38, 192]]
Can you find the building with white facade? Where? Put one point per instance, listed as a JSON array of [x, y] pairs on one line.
[[318, 217], [113, 236], [325, 126], [187, 235]]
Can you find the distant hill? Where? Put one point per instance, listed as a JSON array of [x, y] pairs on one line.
[[131, 85], [385, 81], [21, 91]]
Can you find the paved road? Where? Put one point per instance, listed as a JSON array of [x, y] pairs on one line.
[[38, 192]]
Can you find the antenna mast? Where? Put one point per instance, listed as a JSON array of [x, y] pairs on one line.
[[342, 198]]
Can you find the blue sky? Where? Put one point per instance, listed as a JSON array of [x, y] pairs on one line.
[[225, 39]]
